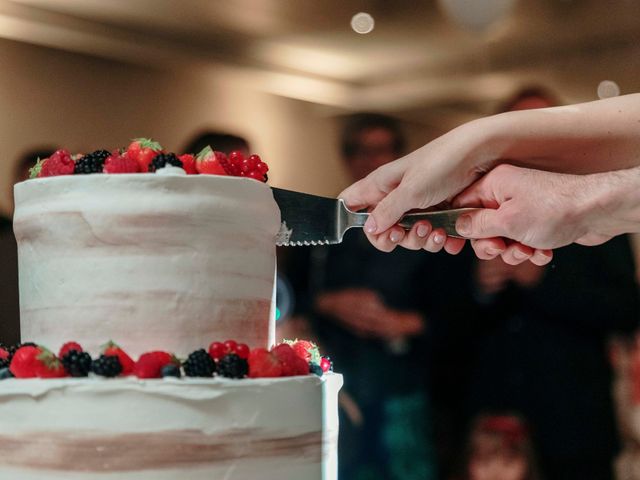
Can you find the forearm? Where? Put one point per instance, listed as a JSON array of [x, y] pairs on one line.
[[585, 138]]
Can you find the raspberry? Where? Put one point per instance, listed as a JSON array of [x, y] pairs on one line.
[[120, 163], [291, 363], [150, 364], [68, 347], [4, 357], [217, 350], [199, 364], [107, 366], [92, 162], [263, 363], [60, 163], [162, 160], [77, 363], [232, 366]]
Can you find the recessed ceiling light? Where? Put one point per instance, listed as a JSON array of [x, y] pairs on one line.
[[362, 23]]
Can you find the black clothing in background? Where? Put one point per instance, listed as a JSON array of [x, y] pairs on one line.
[[542, 352], [9, 311]]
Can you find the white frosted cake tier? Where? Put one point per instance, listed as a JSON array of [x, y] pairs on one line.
[[129, 429], [150, 261]]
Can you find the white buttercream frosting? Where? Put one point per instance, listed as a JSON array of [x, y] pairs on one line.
[[150, 261]]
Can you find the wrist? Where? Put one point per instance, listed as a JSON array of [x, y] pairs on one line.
[[613, 207]]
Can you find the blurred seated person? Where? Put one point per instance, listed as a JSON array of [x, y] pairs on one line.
[[499, 448], [372, 312], [541, 347], [219, 141], [9, 308]]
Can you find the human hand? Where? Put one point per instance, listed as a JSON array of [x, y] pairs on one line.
[[363, 312], [493, 276], [541, 210]]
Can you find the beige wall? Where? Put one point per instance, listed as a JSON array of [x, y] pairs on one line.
[[82, 103]]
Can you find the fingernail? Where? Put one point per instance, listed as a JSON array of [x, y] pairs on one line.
[[438, 238], [422, 231], [463, 225], [395, 236], [370, 225], [519, 254], [493, 251]]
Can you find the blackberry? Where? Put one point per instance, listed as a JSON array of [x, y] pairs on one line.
[[315, 369], [232, 366], [5, 373], [107, 366], [77, 364], [199, 364], [92, 162], [171, 370], [164, 159]]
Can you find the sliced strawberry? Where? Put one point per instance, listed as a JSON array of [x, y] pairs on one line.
[[189, 163], [142, 150], [120, 163], [263, 363], [60, 163], [111, 348], [67, 347], [210, 162]]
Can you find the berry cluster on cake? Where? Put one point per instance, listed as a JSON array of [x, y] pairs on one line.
[[165, 253], [144, 155]]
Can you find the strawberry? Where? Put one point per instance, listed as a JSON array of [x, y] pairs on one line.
[[188, 163], [60, 163], [305, 349], [30, 362], [142, 150], [120, 163], [210, 162], [69, 346], [291, 363], [150, 364], [263, 363], [111, 348]]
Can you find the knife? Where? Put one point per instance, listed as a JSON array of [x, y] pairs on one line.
[[313, 220]]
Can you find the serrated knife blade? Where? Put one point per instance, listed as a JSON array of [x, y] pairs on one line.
[[314, 220]]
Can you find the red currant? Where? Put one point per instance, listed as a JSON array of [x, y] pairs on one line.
[[254, 160], [242, 350], [262, 167], [217, 350], [231, 345], [256, 175], [246, 166], [325, 364]]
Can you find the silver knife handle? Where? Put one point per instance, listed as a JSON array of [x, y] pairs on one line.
[[445, 219]]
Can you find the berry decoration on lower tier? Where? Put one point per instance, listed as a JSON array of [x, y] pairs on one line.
[[199, 364], [107, 366], [228, 359], [144, 155]]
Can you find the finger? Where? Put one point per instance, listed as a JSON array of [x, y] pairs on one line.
[[454, 246], [478, 194], [435, 241], [387, 241], [416, 238], [541, 257], [389, 210], [374, 187], [488, 248], [484, 223], [517, 253]]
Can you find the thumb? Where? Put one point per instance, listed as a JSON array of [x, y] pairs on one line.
[[387, 213], [484, 223]]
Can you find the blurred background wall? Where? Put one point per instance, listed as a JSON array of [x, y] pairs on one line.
[[89, 74]]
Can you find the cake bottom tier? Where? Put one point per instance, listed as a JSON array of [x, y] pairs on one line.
[[171, 428]]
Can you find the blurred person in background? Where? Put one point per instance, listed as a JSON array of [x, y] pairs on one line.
[[499, 447], [375, 314], [9, 308], [219, 141], [541, 346]]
